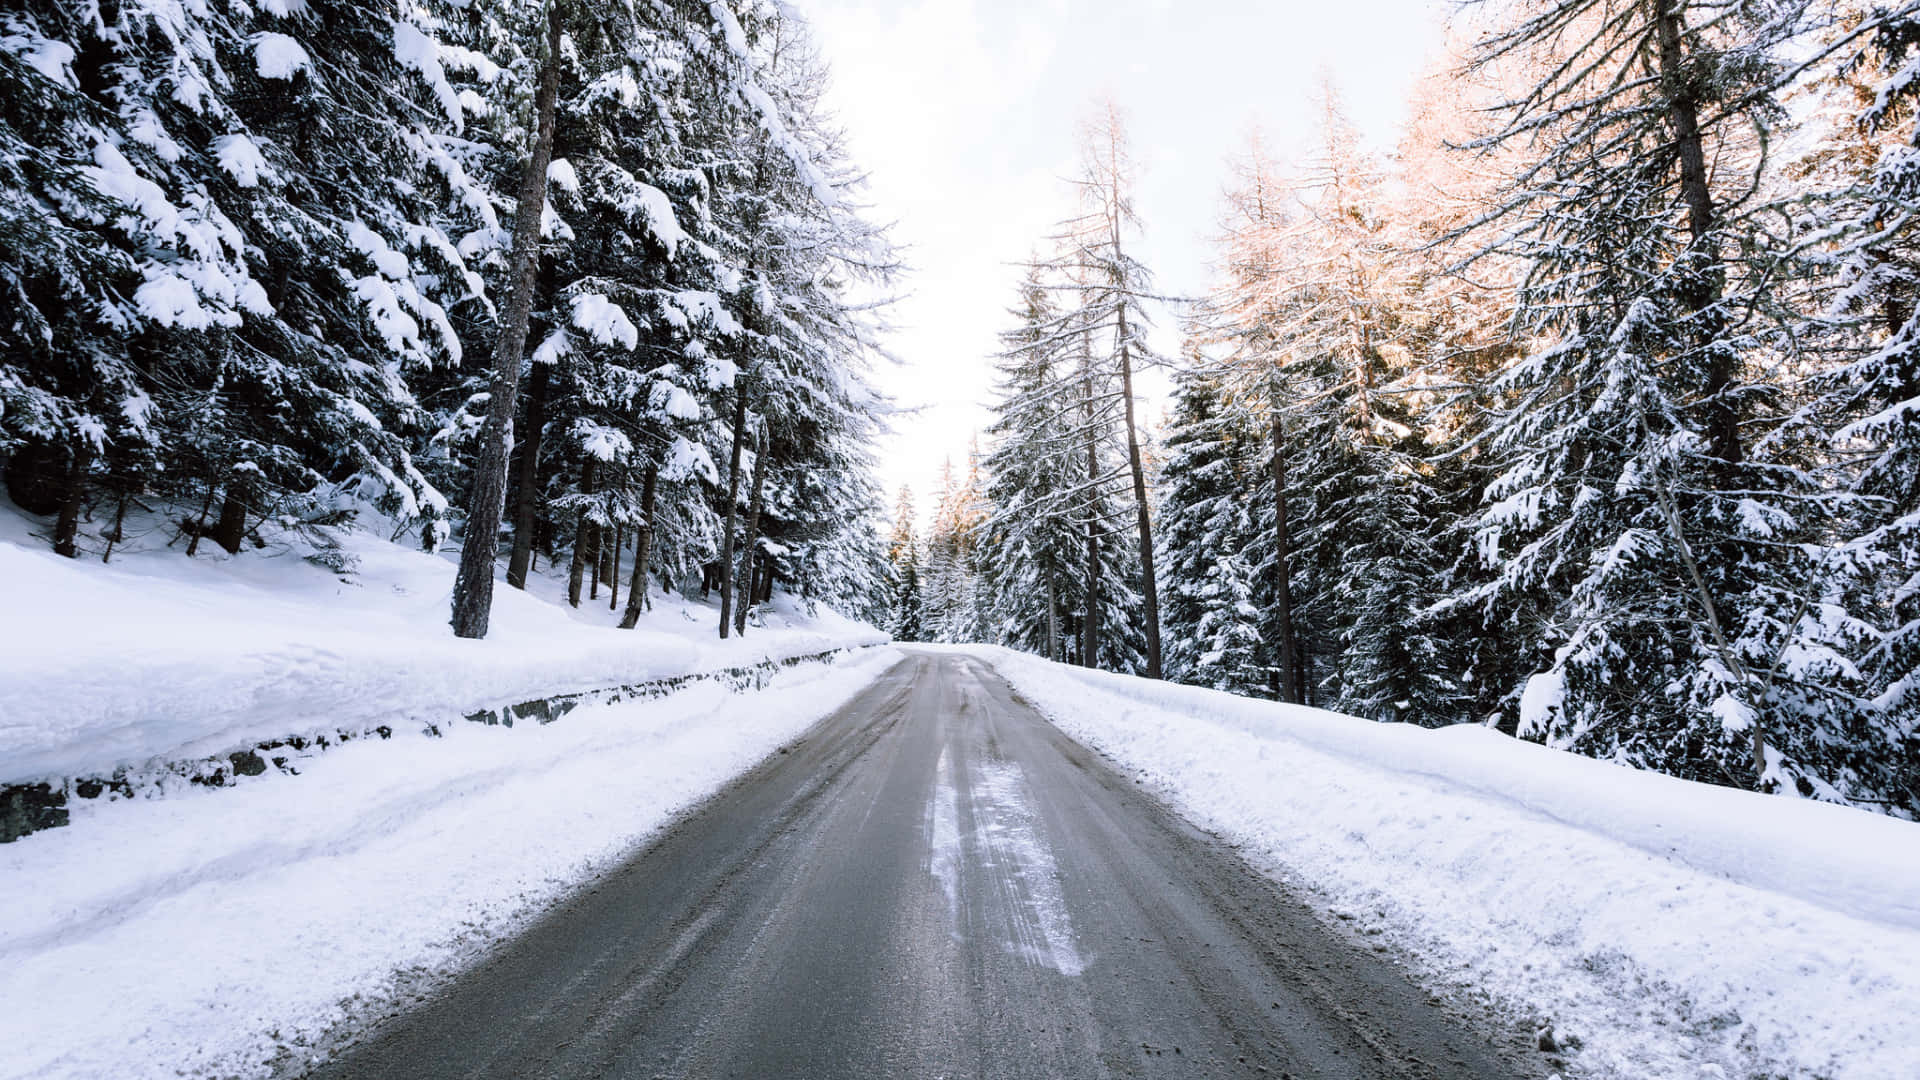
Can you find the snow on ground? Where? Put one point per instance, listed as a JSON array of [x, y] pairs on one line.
[[211, 932], [1675, 930], [156, 657]]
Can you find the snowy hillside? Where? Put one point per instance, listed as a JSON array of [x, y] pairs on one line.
[[1661, 928], [155, 657]]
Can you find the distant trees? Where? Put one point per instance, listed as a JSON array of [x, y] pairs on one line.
[[1070, 570], [906, 596], [250, 253], [1589, 414]]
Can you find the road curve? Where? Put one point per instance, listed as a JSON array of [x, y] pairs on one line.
[[933, 882]]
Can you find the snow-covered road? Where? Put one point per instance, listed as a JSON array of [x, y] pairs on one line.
[[935, 882]]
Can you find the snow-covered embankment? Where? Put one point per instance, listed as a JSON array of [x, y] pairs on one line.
[[157, 658], [217, 933], [1672, 929]]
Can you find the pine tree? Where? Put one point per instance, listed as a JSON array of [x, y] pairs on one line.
[[906, 620], [263, 239], [1212, 621], [1030, 539], [1864, 402], [1633, 517]]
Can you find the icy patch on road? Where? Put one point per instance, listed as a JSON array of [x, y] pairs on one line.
[[1009, 830], [1011, 860], [943, 836]]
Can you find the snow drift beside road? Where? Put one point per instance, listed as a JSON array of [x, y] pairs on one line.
[[1677, 930], [157, 657], [211, 933]]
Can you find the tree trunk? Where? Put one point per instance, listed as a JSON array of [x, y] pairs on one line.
[[605, 550], [1149, 591], [613, 573], [642, 551], [1703, 288], [1290, 690], [66, 527], [119, 529], [473, 588], [749, 587], [733, 497], [582, 539], [1053, 615], [231, 530], [199, 526], [526, 489], [1090, 625], [597, 563]]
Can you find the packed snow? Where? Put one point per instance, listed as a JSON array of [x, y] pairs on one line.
[[237, 931], [155, 657], [1667, 929]]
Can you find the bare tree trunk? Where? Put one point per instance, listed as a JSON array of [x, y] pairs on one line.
[[1290, 690], [642, 551], [1704, 289], [1090, 625], [582, 539], [231, 530], [66, 527], [598, 568], [473, 588], [1053, 615], [608, 571], [1149, 591], [733, 497], [526, 490], [119, 529], [748, 562], [199, 527], [613, 575]]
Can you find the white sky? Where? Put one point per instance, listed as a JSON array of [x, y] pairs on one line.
[[965, 111]]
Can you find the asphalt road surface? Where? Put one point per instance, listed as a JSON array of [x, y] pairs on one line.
[[933, 882]]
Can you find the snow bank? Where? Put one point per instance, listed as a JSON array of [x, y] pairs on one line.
[[156, 657], [225, 933], [1675, 929]]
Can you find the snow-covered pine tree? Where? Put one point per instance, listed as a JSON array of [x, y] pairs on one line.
[[953, 537], [815, 340], [1031, 540], [1658, 561], [905, 619], [266, 194], [1242, 321], [1206, 522], [1859, 187]]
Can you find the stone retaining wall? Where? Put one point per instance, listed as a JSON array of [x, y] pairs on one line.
[[31, 808]]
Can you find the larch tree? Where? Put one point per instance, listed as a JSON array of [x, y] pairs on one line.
[[1110, 293]]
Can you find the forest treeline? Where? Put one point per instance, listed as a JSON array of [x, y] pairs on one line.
[[1591, 412], [271, 268]]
